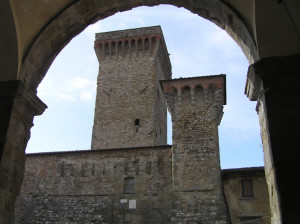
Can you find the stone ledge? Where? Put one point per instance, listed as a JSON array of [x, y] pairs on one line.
[[163, 147]]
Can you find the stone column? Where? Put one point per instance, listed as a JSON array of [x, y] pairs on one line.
[[196, 106], [18, 106], [274, 83]]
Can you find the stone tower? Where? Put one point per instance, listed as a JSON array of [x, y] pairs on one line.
[[196, 106], [130, 107]]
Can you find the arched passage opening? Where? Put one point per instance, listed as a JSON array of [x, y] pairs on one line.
[[200, 56], [196, 47], [212, 39], [279, 47], [68, 24]]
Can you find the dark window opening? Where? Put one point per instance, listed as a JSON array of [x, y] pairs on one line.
[[137, 122], [251, 220], [247, 188], [129, 187]]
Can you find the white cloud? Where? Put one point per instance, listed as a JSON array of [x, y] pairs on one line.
[[81, 83], [220, 38], [74, 89], [83, 88], [236, 69], [221, 41], [180, 64], [94, 28], [239, 124], [64, 96], [87, 96]]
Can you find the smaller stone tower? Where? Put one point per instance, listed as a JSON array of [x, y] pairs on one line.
[[130, 107], [196, 106]]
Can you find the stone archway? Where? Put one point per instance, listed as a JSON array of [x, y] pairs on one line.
[[70, 22], [82, 13]]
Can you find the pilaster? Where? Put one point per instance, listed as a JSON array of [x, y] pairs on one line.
[[274, 83], [18, 106]]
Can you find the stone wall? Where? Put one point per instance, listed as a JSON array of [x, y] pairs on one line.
[[196, 107], [129, 186], [107, 186], [254, 205]]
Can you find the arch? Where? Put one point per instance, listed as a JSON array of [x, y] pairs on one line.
[[133, 48], [120, 50], [146, 43], [152, 44], [113, 49], [106, 50], [198, 87], [140, 48], [125, 47], [185, 95], [185, 88], [74, 19]]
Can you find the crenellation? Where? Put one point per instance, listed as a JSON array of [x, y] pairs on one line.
[[194, 91], [129, 33], [131, 47]]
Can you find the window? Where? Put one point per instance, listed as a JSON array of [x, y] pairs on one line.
[[137, 122], [251, 220], [247, 188], [129, 186]]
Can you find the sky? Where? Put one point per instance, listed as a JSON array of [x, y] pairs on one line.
[[197, 47]]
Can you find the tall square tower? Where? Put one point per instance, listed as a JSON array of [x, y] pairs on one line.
[[130, 107]]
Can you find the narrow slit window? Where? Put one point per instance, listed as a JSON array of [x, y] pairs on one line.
[[137, 122], [251, 220]]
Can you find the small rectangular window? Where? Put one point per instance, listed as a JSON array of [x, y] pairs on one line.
[[129, 187], [247, 188], [137, 122], [251, 220]]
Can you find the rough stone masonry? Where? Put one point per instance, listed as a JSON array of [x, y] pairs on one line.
[[196, 106], [131, 175], [130, 107]]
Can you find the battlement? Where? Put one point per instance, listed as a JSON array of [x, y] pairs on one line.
[[204, 83], [129, 33], [196, 91], [133, 43]]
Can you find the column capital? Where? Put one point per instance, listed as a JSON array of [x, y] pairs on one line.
[[16, 90], [278, 72]]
